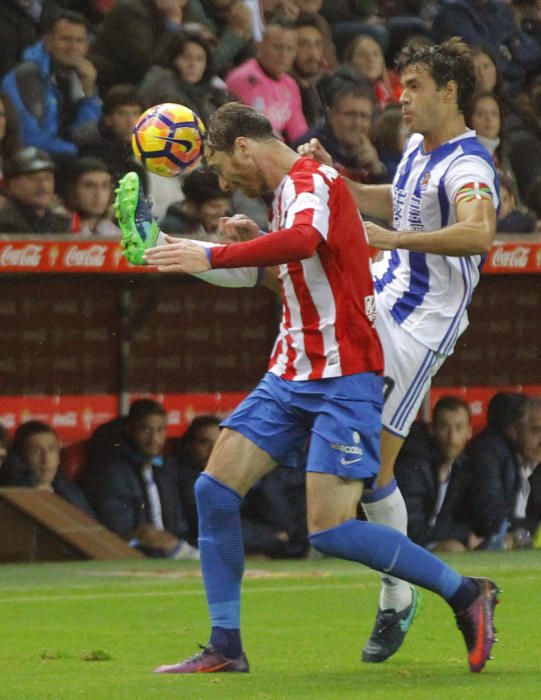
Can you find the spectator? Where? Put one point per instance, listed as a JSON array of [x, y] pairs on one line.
[[263, 82], [21, 24], [4, 445], [131, 32], [274, 515], [274, 512], [365, 55], [308, 67], [109, 137], [33, 461], [487, 73], [192, 456], [134, 487], [183, 73], [31, 201], [528, 17], [198, 215], [349, 102], [513, 218], [505, 492], [491, 22], [389, 135], [485, 116], [54, 89], [89, 198], [349, 17], [524, 131], [231, 23], [10, 141], [313, 9], [432, 472]]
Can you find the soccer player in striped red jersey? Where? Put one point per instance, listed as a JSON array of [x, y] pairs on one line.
[[324, 385]]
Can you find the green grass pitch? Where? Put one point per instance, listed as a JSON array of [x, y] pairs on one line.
[[96, 629]]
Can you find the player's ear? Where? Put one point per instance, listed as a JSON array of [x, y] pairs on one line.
[[451, 91], [242, 146]]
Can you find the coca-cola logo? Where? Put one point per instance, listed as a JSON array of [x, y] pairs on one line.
[[515, 257], [93, 256], [25, 256]]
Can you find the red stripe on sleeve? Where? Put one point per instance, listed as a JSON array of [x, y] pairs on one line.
[[277, 248]]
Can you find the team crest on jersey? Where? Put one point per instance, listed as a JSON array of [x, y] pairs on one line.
[[425, 180], [370, 308]]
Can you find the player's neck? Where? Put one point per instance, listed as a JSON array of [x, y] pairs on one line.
[[276, 161], [444, 132]]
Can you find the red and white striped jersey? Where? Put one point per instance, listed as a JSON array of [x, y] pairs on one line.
[[327, 327]]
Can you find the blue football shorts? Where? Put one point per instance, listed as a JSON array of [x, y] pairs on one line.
[[325, 425]]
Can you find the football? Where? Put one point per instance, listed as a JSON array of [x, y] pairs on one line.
[[168, 139]]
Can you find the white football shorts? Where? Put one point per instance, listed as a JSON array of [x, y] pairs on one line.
[[409, 368]]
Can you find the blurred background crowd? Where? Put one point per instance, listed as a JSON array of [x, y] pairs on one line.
[[74, 77]]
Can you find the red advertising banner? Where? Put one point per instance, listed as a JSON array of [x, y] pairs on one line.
[[38, 255], [76, 417], [513, 258]]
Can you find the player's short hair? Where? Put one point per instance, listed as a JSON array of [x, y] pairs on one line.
[[28, 430], [119, 96], [450, 60], [233, 120], [142, 408], [450, 403]]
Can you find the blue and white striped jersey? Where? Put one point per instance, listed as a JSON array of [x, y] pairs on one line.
[[428, 294]]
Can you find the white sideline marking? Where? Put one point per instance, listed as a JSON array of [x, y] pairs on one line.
[[193, 592]]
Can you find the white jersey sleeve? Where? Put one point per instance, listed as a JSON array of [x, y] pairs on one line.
[[231, 277]]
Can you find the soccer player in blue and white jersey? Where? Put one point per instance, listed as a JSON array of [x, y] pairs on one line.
[[442, 205]]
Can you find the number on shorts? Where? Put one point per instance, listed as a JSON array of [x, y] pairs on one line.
[[388, 386]]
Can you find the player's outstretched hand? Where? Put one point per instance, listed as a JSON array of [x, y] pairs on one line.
[[178, 255], [381, 238], [237, 228], [315, 150]]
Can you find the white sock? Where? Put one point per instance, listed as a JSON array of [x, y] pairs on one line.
[[390, 510]]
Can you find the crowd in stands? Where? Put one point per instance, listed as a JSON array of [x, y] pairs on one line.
[[462, 493], [75, 76]]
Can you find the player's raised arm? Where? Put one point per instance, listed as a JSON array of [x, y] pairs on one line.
[[472, 234], [372, 200]]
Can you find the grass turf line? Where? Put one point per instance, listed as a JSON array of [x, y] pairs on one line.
[[96, 629]]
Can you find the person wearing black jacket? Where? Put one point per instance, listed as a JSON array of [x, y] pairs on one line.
[[34, 460], [433, 474], [505, 489], [134, 487]]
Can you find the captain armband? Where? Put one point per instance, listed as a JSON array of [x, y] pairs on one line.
[[473, 190]]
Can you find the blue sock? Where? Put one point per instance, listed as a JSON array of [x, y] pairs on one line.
[[222, 560], [388, 550]]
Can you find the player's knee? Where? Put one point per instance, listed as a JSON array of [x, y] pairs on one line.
[[210, 494]]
